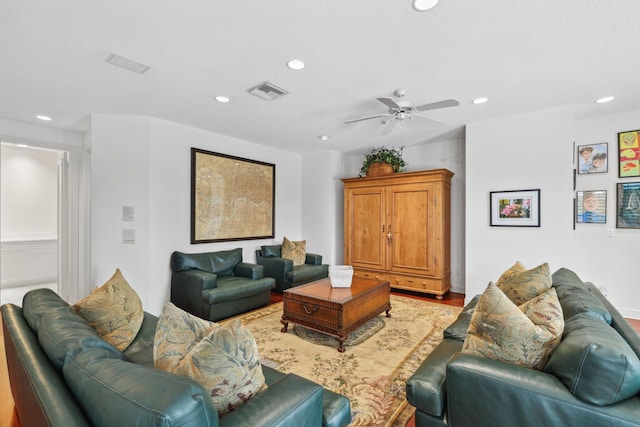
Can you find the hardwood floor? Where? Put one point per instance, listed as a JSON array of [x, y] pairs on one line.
[[8, 417]]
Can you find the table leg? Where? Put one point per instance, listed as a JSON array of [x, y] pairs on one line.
[[341, 344], [286, 325]]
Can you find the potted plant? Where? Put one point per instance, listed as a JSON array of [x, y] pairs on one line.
[[382, 161]]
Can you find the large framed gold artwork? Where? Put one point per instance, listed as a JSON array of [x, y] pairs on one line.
[[231, 198]]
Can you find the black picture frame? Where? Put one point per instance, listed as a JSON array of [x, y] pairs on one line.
[[628, 205], [232, 198], [514, 208]]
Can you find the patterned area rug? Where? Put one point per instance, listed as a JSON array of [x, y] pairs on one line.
[[372, 373]]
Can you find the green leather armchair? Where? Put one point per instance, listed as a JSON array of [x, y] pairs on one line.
[[285, 273], [218, 285]]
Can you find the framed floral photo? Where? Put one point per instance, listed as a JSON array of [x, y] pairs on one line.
[[593, 158], [520, 208], [591, 207]]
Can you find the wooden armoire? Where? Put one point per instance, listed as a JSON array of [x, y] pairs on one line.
[[397, 228]]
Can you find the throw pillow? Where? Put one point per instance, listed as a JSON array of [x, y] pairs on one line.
[[223, 358], [177, 332], [114, 310], [521, 286], [295, 251], [523, 336]]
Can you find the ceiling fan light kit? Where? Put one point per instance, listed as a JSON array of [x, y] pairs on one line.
[[401, 110]]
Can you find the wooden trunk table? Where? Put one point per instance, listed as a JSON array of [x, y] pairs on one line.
[[335, 311]]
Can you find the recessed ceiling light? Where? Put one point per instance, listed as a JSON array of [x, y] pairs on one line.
[[45, 118], [295, 64], [223, 99], [480, 100], [424, 5], [605, 99], [323, 137]]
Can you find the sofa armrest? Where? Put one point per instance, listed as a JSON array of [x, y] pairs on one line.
[[247, 269], [187, 287], [276, 267], [313, 259], [521, 397], [290, 401]]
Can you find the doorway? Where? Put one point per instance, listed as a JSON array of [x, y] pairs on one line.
[[33, 218]]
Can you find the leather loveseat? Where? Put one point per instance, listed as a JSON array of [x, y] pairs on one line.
[[62, 374], [285, 273], [218, 285], [597, 356]]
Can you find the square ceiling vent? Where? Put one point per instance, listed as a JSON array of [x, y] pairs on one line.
[[267, 91]]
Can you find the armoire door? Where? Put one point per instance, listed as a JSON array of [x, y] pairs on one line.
[[365, 220], [412, 236]]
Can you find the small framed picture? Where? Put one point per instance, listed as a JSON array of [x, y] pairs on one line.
[[628, 205], [591, 207], [519, 208], [629, 154], [593, 158]]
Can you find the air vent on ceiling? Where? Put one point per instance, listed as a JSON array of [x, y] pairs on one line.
[[127, 64], [267, 91]]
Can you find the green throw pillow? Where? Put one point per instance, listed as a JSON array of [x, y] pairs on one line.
[[222, 358], [114, 310], [522, 285], [524, 336]]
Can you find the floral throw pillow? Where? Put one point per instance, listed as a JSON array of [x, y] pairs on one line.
[[524, 336], [522, 285], [114, 310], [295, 251], [222, 358]]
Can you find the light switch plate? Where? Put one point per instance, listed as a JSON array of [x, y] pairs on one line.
[[128, 236]]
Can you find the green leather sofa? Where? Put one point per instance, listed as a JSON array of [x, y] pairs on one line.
[[218, 285], [598, 357], [285, 273], [62, 374]]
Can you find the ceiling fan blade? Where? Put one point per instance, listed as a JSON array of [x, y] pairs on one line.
[[432, 122], [389, 103], [388, 127], [367, 118], [440, 104]]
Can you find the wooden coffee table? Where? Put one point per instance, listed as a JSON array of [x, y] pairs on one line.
[[335, 311]]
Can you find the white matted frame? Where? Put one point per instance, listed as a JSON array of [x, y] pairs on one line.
[[518, 208]]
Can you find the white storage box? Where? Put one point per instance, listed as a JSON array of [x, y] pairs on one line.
[[340, 276]]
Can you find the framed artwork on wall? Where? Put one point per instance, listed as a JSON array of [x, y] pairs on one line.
[[593, 158], [591, 207], [519, 208], [231, 198], [628, 205], [629, 154]]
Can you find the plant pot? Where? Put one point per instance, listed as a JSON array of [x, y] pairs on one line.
[[378, 169]]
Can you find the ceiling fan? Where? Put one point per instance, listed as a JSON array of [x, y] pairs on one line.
[[402, 110]]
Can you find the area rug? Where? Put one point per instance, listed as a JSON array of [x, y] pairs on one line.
[[371, 372]]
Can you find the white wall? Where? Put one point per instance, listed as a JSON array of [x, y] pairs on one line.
[[608, 261], [446, 153], [536, 151], [145, 163]]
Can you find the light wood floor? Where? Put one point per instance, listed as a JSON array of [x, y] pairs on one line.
[[8, 417]]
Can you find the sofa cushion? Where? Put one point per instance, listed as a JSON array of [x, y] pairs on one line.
[[61, 332], [272, 251], [114, 392], [37, 302], [594, 362], [223, 359], [307, 273], [522, 285], [221, 262], [177, 332], [575, 297], [295, 251], [114, 310], [523, 336]]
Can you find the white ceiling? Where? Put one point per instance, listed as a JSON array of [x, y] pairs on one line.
[[522, 55]]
